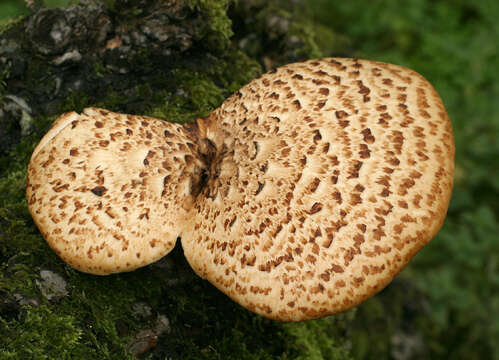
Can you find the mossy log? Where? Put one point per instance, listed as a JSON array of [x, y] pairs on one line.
[[175, 60]]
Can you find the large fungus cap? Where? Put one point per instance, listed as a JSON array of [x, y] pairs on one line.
[[108, 191], [302, 195], [331, 175]]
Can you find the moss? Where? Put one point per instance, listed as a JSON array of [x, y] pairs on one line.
[[219, 26], [323, 338], [278, 32], [199, 90], [10, 23], [55, 334]]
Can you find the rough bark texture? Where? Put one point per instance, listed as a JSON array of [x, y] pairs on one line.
[[60, 59]]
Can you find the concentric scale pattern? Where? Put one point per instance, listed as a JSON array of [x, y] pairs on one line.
[[333, 174], [302, 195]]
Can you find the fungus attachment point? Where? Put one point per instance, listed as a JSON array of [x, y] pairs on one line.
[[302, 195]]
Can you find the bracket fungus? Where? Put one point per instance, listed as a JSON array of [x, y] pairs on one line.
[[301, 196]]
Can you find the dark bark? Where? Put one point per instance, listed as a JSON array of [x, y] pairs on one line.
[[55, 56]]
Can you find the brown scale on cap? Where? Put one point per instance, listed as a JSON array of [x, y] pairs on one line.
[[108, 191], [302, 195], [336, 172]]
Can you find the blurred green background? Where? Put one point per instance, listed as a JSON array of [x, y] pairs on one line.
[[455, 45]]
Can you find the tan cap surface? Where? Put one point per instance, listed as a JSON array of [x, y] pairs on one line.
[[108, 190], [304, 194], [330, 175]]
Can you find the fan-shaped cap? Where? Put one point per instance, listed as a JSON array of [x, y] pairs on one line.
[[108, 191], [304, 194], [329, 176]]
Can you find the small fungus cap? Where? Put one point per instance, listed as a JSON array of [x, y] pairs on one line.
[[329, 176], [108, 190]]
